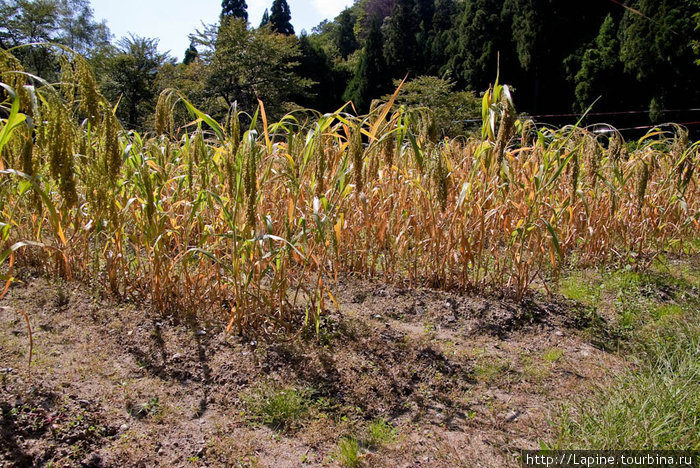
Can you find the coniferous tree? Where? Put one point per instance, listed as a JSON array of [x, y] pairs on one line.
[[474, 47], [234, 9], [439, 39], [371, 76], [401, 50], [280, 18], [599, 67], [656, 49], [265, 18], [190, 54], [325, 94], [346, 42], [423, 11]]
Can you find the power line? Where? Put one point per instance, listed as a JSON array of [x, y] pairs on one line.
[[644, 127], [633, 10], [637, 12], [632, 112], [665, 111]]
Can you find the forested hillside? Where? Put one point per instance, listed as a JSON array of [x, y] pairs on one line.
[[636, 60]]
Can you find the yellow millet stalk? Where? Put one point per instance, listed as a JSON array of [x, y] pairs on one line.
[[356, 156], [642, 185], [441, 180], [111, 151], [388, 150], [235, 129], [67, 80], [60, 134], [505, 131], [593, 155], [528, 126], [615, 147], [251, 185], [164, 119], [11, 74], [90, 97], [320, 156]]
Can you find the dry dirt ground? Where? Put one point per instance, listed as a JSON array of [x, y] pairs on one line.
[[465, 381]]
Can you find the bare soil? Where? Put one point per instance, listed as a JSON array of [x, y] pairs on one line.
[[466, 381]]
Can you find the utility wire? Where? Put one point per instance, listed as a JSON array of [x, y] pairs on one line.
[[637, 12], [644, 127], [633, 112], [665, 111]]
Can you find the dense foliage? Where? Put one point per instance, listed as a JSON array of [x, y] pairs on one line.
[[561, 56]]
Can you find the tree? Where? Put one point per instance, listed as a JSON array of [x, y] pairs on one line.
[[599, 67], [453, 110], [370, 80], [656, 49], [474, 47], [369, 9], [246, 64], [265, 19], [346, 41], [439, 41], [326, 92], [424, 10], [191, 54], [401, 48], [66, 22], [280, 18], [129, 77], [234, 9]]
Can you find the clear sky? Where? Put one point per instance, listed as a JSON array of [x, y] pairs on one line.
[[172, 20]]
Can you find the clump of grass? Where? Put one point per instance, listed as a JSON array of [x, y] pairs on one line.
[[378, 433], [553, 355], [576, 287], [534, 371], [348, 452], [490, 369], [665, 310], [150, 408], [280, 408], [656, 403], [658, 406]]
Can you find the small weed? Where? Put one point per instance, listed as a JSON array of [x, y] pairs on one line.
[[534, 372], [576, 287], [491, 369], [62, 298], [349, 452], [379, 432], [277, 407], [666, 310], [553, 355], [151, 407]]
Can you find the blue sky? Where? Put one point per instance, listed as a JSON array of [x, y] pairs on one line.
[[172, 20]]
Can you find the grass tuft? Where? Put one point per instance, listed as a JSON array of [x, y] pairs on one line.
[[379, 433], [349, 452], [280, 408]]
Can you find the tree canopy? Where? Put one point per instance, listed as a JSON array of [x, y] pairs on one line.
[[559, 56], [234, 9], [281, 17]]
